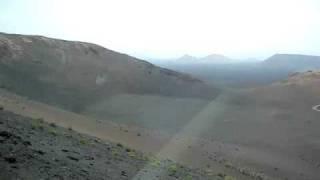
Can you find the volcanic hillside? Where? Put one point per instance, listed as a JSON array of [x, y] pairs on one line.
[[74, 74]]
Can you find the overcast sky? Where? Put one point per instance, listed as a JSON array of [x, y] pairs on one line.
[[171, 28]]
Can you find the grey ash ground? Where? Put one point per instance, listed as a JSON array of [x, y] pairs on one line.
[[33, 149]]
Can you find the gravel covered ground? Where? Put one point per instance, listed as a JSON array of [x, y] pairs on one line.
[[33, 149]]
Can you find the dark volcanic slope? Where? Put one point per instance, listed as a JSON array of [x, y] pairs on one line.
[[32, 149], [73, 74]]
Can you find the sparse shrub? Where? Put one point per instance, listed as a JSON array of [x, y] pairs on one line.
[[83, 142], [132, 154], [228, 165], [244, 171], [37, 124], [41, 127], [53, 132], [222, 175], [119, 145], [188, 177], [40, 120], [52, 124], [145, 158], [115, 152], [172, 169], [229, 178], [154, 161], [209, 172]]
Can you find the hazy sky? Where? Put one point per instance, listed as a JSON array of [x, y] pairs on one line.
[[170, 28]]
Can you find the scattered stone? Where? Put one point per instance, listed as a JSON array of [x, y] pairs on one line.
[[53, 124], [63, 158], [65, 150], [89, 158], [124, 173], [119, 145], [2, 139], [10, 159], [84, 171], [221, 175], [73, 158], [138, 134], [29, 156], [14, 142], [1, 108], [27, 143], [5, 134], [40, 152]]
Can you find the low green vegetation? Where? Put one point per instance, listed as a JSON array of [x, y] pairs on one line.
[[155, 162], [115, 152], [83, 142], [172, 169], [132, 154], [209, 172], [188, 177], [40, 120], [37, 124], [53, 132], [229, 178], [228, 165]]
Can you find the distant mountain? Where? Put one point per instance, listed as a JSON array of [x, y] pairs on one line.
[[243, 73], [74, 74], [216, 58], [293, 62], [213, 58], [187, 57]]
